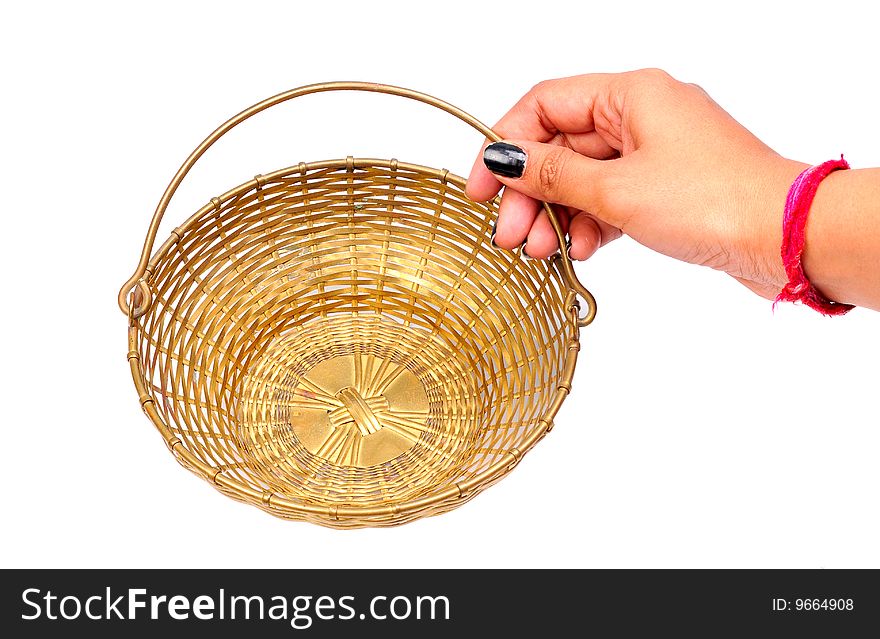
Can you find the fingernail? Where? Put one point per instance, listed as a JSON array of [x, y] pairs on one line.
[[522, 250], [505, 159], [492, 237]]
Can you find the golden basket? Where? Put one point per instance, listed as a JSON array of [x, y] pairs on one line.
[[339, 342]]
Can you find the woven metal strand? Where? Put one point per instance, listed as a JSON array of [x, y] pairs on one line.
[[338, 342]]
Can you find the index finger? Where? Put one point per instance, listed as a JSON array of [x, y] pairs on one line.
[[565, 105]]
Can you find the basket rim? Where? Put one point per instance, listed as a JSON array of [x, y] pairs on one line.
[[279, 505]]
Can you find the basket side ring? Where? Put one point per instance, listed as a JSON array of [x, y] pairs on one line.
[[139, 297], [140, 271]]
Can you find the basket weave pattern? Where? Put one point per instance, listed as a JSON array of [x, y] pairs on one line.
[[338, 342]]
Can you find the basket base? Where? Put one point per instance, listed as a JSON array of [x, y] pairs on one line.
[[359, 401], [359, 410]]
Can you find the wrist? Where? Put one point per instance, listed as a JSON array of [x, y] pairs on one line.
[[839, 249], [840, 255], [764, 223]]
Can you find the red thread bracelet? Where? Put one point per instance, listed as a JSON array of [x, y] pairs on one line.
[[794, 222]]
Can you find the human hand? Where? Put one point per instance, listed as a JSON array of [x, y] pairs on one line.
[[643, 154]]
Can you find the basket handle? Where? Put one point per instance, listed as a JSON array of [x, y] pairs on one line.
[[136, 292]]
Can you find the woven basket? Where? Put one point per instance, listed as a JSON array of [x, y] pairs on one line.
[[338, 341]]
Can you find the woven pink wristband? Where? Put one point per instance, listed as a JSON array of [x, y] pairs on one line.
[[794, 223]]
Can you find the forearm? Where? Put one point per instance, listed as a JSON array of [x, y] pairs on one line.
[[842, 248]]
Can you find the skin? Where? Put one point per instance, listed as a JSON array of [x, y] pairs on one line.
[[645, 155]]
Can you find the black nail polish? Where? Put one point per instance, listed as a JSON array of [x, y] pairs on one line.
[[492, 236], [505, 159], [522, 250]]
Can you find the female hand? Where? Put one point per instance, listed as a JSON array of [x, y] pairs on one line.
[[643, 154]]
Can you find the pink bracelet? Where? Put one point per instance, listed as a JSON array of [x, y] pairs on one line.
[[794, 221]]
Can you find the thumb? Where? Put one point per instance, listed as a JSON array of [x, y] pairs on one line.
[[549, 172]]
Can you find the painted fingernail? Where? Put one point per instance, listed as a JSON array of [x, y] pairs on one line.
[[505, 159], [522, 250], [492, 237]]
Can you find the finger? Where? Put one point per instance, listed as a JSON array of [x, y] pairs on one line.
[[586, 232], [553, 174], [481, 184], [590, 144], [542, 241], [564, 215], [515, 217], [586, 236], [564, 105]]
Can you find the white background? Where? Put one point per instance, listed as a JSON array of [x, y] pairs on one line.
[[703, 429]]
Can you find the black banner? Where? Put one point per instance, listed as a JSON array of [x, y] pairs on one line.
[[315, 603]]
